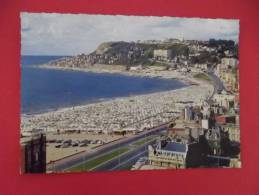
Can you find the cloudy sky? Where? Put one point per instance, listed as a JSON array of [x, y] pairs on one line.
[[70, 34]]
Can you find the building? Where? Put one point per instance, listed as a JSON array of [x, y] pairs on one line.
[[235, 163], [172, 41], [224, 119], [173, 155], [229, 62], [201, 66], [33, 154], [205, 123], [126, 130], [176, 155], [188, 115], [228, 71], [233, 131], [135, 68], [185, 132], [177, 132], [224, 99], [163, 54]]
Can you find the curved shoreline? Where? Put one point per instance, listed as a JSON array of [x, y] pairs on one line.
[[99, 100], [121, 71], [109, 114]]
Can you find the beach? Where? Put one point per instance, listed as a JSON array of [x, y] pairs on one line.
[[151, 71], [134, 112]]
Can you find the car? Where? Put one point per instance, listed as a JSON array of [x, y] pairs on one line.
[[59, 141], [82, 144], [68, 141], [58, 146], [99, 141], [141, 161], [65, 145], [85, 141], [51, 141], [93, 141], [74, 144]]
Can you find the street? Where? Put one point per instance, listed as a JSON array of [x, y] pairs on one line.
[[70, 161]]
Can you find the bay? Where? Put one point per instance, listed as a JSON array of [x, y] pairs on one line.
[[44, 90]]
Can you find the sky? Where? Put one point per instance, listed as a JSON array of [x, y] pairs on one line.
[[71, 34]]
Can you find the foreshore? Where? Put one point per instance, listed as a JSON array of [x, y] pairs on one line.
[[120, 69], [131, 113]]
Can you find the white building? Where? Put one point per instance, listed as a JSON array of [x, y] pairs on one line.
[[224, 99], [134, 68], [163, 54], [229, 62], [205, 123]]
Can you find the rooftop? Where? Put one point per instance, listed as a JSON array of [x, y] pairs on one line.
[[176, 147]]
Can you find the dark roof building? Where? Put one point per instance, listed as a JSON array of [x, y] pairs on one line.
[[178, 155]]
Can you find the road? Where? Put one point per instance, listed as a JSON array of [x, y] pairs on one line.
[[127, 159], [218, 85], [65, 163]]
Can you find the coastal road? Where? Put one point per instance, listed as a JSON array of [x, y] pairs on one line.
[[73, 160], [218, 84], [127, 159]]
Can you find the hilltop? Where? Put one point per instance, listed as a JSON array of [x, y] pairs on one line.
[[168, 52], [121, 53]]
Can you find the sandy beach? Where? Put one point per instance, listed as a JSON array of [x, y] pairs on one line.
[[151, 71], [134, 112]]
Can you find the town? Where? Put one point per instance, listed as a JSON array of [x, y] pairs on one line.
[[193, 127]]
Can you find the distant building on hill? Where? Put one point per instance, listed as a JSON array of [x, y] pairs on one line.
[[163, 54]]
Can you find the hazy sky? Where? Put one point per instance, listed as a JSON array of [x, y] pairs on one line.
[[70, 34]]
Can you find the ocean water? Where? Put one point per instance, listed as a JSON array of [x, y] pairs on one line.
[[43, 90]]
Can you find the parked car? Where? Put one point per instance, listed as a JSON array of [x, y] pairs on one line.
[[51, 141], [99, 141], [65, 145], [59, 141], [68, 141], [82, 144], [58, 146], [85, 141], [141, 161], [75, 143], [93, 142]]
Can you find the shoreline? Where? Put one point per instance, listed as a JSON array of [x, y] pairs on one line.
[[100, 100], [122, 71], [133, 111], [105, 100], [188, 82]]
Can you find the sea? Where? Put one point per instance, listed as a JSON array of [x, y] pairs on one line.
[[44, 90]]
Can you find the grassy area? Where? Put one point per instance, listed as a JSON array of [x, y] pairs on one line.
[[202, 76], [97, 161], [143, 141]]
